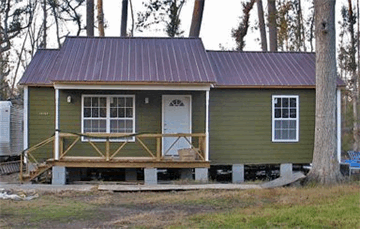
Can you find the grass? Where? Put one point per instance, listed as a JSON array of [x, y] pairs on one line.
[[318, 207], [310, 207]]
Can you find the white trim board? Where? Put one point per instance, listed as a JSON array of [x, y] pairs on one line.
[[132, 87]]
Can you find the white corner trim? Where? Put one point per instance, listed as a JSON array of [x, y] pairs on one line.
[[131, 87], [56, 130], [207, 150], [26, 117], [338, 125]]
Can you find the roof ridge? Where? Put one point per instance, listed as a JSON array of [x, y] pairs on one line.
[[139, 37]]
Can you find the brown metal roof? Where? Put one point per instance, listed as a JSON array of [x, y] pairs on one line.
[[167, 60], [40, 67], [115, 59], [263, 68], [266, 69]]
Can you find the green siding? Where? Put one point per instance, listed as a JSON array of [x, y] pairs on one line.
[[240, 123], [41, 120], [241, 127], [148, 118]]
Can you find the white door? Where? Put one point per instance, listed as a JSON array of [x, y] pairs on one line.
[[176, 110]]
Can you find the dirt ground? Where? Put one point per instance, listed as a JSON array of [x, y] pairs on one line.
[[94, 209]]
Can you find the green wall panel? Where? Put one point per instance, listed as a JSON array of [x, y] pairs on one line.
[[148, 118], [241, 127], [41, 120]]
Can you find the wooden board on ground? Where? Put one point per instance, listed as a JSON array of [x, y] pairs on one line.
[[282, 181]]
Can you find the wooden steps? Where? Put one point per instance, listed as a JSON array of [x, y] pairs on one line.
[[40, 169]]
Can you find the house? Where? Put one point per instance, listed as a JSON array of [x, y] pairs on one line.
[[156, 103]]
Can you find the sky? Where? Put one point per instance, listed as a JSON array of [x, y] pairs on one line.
[[219, 17]]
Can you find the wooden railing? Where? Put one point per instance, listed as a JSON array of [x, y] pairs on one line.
[[108, 155], [29, 163], [31, 166]]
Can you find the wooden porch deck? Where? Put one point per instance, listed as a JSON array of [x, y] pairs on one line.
[[31, 167]]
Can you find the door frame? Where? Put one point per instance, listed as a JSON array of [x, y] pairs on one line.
[[164, 97]]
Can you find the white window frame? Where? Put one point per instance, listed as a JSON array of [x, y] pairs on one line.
[[296, 119], [108, 117]]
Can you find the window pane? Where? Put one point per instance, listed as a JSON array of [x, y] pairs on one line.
[[87, 101], [292, 124], [285, 102], [103, 112], [103, 101], [121, 112], [284, 134], [277, 113], [95, 113], [113, 112], [129, 126], [277, 102], [113, 125], [121, 126], [277, 134], [94, 126], [86, 126], [292, 134], [277, 124], [293, 113], [102, 126], [87, 112], [120, 102], [113, 102], [285, 113], [285, 124], [129, 112], [293, 102], [129, 102], [95, 102]]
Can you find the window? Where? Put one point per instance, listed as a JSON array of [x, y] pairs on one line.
[[176, 103], [108, 114], [285, 118]]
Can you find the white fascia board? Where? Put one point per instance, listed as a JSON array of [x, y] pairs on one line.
[[131, 87]]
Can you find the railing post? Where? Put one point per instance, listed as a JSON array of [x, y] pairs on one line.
[[107, 149], [21, 172], [158, 152]]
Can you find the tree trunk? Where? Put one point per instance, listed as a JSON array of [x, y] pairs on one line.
[[124, 18], [44, 36], [100, 18], [272, 25], [242, 29], [263, 34], [90, 18], [196, 22], [132, 18], [325, 168]]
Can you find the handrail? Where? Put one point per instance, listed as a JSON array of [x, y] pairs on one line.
[[108, 155], [27, 158]]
